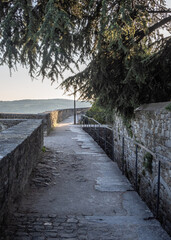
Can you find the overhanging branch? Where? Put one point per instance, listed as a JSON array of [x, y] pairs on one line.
[[142, 34], [159, 11]]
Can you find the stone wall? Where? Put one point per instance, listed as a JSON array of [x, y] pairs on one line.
[[54, 117], [138, 146], [50, 119], [150, 131], [6, 123], [20, 147], [21, 141]]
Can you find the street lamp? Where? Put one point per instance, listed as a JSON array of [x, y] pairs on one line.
[[75, 112]]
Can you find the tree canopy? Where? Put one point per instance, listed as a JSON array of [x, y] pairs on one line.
[[129, 59]]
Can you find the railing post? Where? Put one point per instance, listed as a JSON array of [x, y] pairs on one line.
[[136, 169], [83, 122], [99, 133], [105, 138], [113, 150], [94, 132], [90, 127], [123, 155], [75, 111], [158, 191]]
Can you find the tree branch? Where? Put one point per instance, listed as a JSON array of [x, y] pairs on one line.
[[159, 11], [142, 34]]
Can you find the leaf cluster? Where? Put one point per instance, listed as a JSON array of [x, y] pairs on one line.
[[100, 114], [132, 61], [129, 58], [124, 85]]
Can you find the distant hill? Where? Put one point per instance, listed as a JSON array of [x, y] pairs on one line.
[[38, 106]]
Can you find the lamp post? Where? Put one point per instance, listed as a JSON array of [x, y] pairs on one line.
[[75, 105]]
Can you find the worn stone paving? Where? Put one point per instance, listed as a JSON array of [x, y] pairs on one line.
[[77, 193]]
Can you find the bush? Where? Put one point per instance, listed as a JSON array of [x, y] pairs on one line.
[[100, 114]]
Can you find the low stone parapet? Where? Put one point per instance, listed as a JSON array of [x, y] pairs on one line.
[[7, 123], [50, 119], [20, 148], [21, 141]]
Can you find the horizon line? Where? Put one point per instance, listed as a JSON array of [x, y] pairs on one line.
[[32, 99]]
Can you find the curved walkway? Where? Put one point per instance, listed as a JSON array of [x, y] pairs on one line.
[[77, 192]]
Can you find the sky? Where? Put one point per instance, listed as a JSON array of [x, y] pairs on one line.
[[21, 86]]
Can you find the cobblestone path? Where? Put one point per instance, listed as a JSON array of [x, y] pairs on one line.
[[77, 193]]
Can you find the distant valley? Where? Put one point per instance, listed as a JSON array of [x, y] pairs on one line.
[[39, 106]]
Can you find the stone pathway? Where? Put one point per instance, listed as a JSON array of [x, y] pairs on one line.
[[77, 193]]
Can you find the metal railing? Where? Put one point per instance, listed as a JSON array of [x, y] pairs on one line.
[[103, 138], [95, 130]]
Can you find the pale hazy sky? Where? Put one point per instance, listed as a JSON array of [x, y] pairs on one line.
[[20, 85]]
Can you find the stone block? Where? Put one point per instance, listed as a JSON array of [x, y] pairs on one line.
[[168, 143]]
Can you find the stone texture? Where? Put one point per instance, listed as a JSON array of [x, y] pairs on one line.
[[151, 131], [71, 207], [21, 140], [50, 119], [6, 123], [20, 148]]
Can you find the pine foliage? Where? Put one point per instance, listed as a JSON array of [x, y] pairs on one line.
[[129, 58]]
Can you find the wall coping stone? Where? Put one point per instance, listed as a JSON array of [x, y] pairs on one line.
[[156, 107], [12, 137], [36, 115]]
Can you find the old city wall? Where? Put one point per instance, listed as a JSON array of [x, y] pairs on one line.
[[20, 148], [50, 119], [21, 141], [54, 117], [149, 133], [142, 147], [7, 123]]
